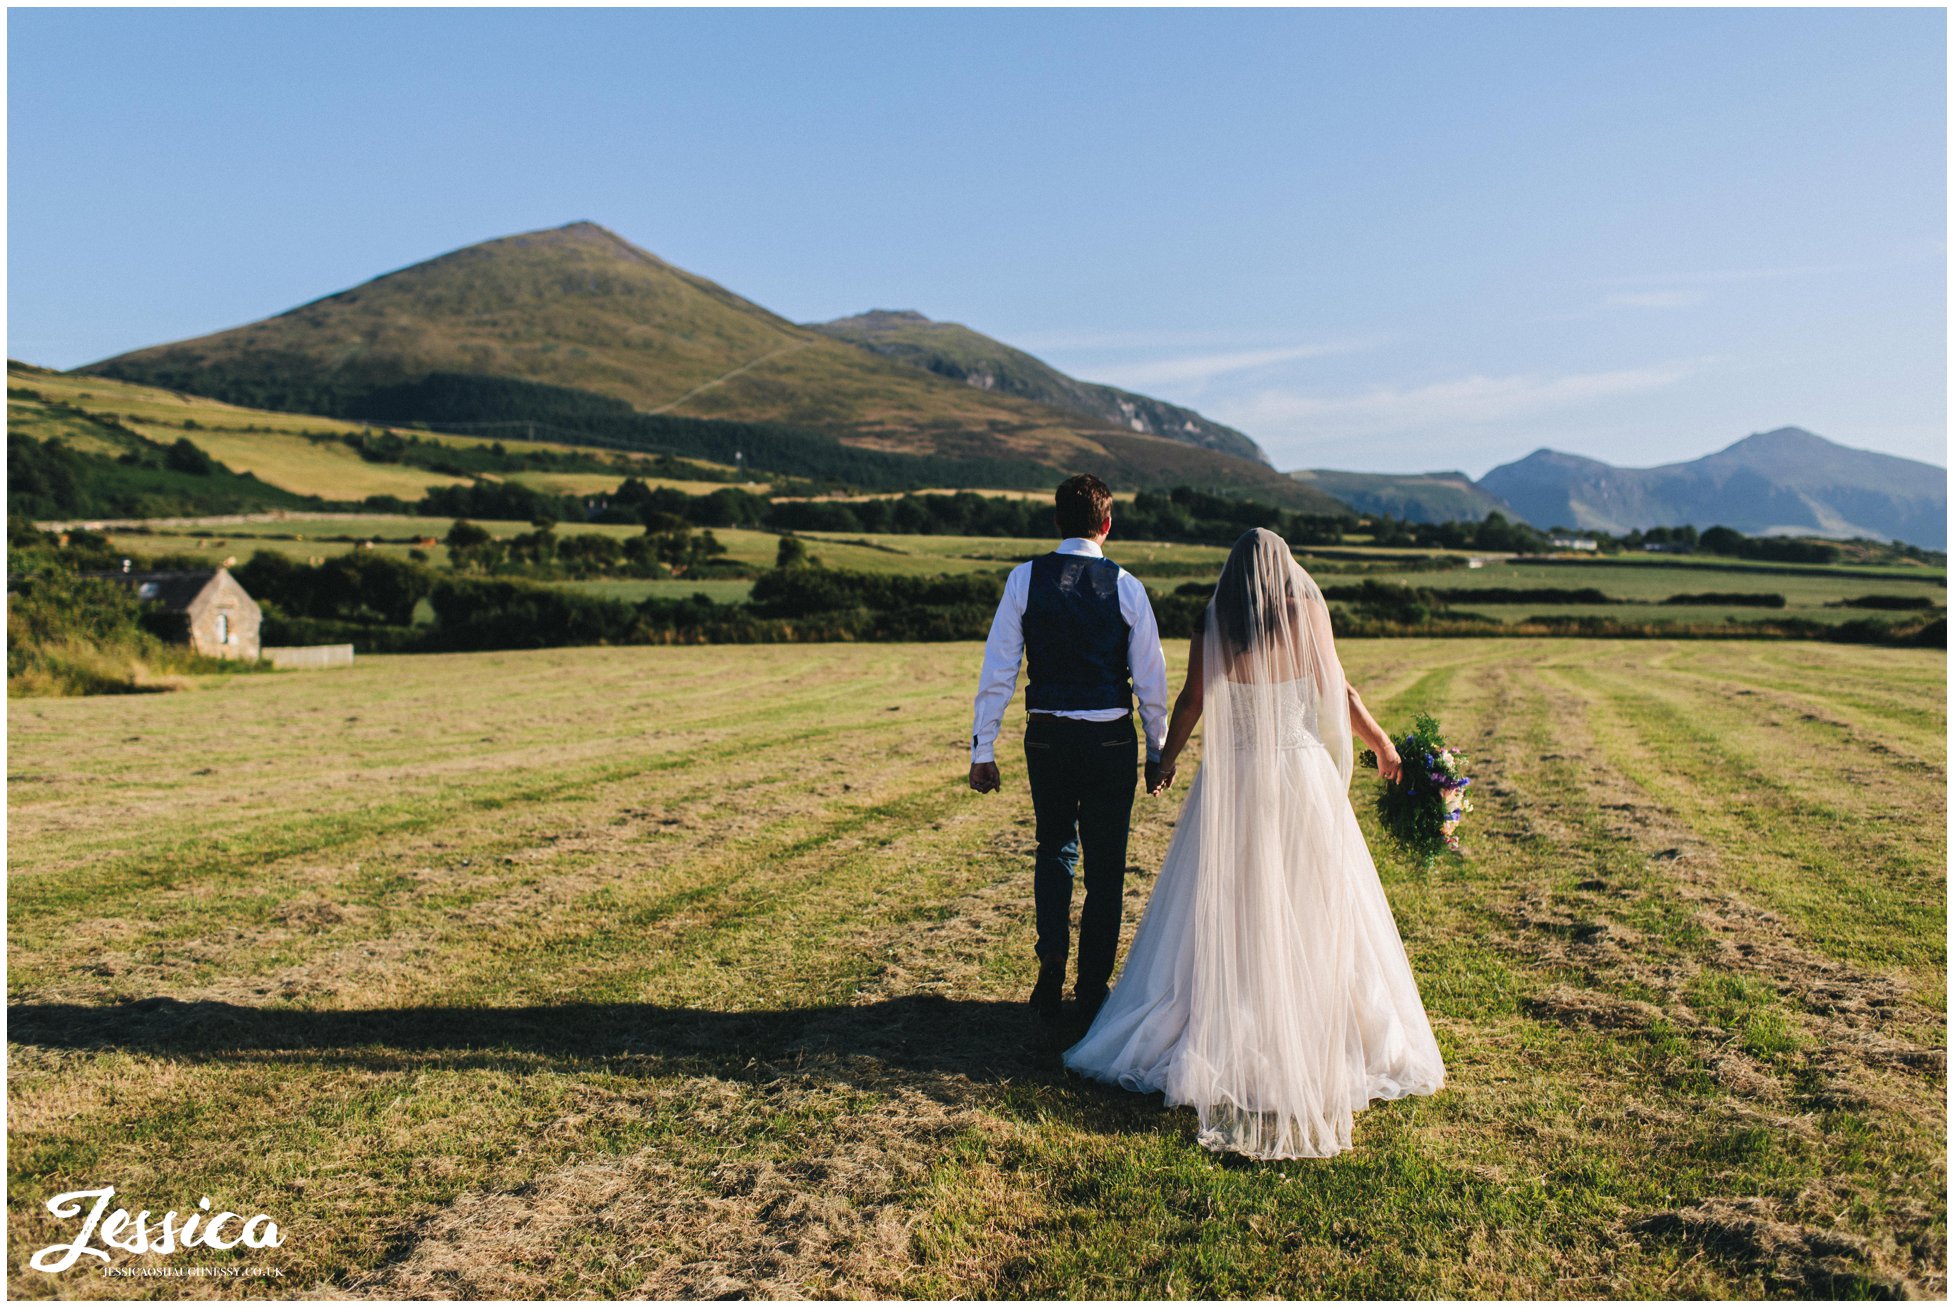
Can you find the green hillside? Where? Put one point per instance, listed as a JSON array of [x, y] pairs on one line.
[[580, 311], [88, 446], [953, 350]]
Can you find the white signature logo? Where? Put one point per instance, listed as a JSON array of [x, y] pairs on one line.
[[136, 1235]]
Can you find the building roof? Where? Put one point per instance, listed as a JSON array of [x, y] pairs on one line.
[[175, 591]]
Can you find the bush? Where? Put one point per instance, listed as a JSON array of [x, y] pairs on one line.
[[1524, 595], [483, 614], [465, 535], [69, 634], [792, 553], [186, 456], [1730, 599], [1891, 602], [499, 501], [48, 479], [281, 628], [356, 587], [1388, 602], [1723, 540], [805, 592]]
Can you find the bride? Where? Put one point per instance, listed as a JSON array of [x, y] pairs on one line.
[[1267, 987]]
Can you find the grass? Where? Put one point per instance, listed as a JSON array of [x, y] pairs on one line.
[[594, 483], [685, 973], [936, 554], [281, 449], [1809, 591], [295, 463]]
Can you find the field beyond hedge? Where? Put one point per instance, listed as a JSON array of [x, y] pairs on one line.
[[1636, 583]]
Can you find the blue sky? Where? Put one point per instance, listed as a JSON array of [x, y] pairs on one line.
[[1390, 239]]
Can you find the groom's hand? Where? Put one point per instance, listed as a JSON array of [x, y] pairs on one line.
[[1158, 777], [983, 778]]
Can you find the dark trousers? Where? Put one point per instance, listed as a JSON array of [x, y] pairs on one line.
[[1083, 775]]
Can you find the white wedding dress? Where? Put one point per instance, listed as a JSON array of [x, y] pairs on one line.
[[1267, 987]]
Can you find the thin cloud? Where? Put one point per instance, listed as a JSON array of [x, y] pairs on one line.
[[1716, 276], [1127, 340], [1197, 370], [1466, 401], [1655, 299]]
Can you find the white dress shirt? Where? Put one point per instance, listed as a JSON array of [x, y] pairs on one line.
[[1005, 650]]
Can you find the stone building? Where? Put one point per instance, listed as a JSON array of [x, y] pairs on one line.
[[206, 609]]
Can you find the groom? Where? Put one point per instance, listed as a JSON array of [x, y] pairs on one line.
[[1085, 627]]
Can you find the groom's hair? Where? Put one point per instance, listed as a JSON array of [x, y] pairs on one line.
[[1083, 504]]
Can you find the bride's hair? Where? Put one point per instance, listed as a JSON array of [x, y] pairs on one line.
[[1246, 606]]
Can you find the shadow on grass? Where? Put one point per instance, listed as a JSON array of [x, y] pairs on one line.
[[939, 1045]]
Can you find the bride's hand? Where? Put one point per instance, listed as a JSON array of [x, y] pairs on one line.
[[1389, 765], [1160, 775]]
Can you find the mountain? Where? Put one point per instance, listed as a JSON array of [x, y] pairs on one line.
[[953, 350], [581, 310], [1414, 496], [1781, 482]]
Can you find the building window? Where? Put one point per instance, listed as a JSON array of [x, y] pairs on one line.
[[223, 629]]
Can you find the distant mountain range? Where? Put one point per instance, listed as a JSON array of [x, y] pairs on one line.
[[1782, 482], [1415, 497], [579, 309], [577, 321], [952, 350]]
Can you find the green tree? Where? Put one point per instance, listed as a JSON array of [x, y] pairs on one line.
[[465, 535], [792, 553], [185, 456]]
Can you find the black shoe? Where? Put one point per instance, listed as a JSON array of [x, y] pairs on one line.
[[1048, 996]]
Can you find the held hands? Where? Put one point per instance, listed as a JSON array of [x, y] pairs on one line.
[[1160, 775], [984, 777], [1389, 765]]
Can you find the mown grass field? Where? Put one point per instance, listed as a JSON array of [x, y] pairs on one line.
[[698, 972], [1810, 591]]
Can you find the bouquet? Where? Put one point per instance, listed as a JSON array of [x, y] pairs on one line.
[[1423, 807]]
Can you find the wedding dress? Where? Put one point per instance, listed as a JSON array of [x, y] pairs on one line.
[[1267, 987]]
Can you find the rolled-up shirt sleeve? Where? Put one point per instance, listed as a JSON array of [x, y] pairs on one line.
[[1003, 651], [1146, 661]]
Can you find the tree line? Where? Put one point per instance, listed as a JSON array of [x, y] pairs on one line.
[[372, 598], [71, 632]]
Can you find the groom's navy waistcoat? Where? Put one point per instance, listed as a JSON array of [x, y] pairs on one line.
[[1075, 635]]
